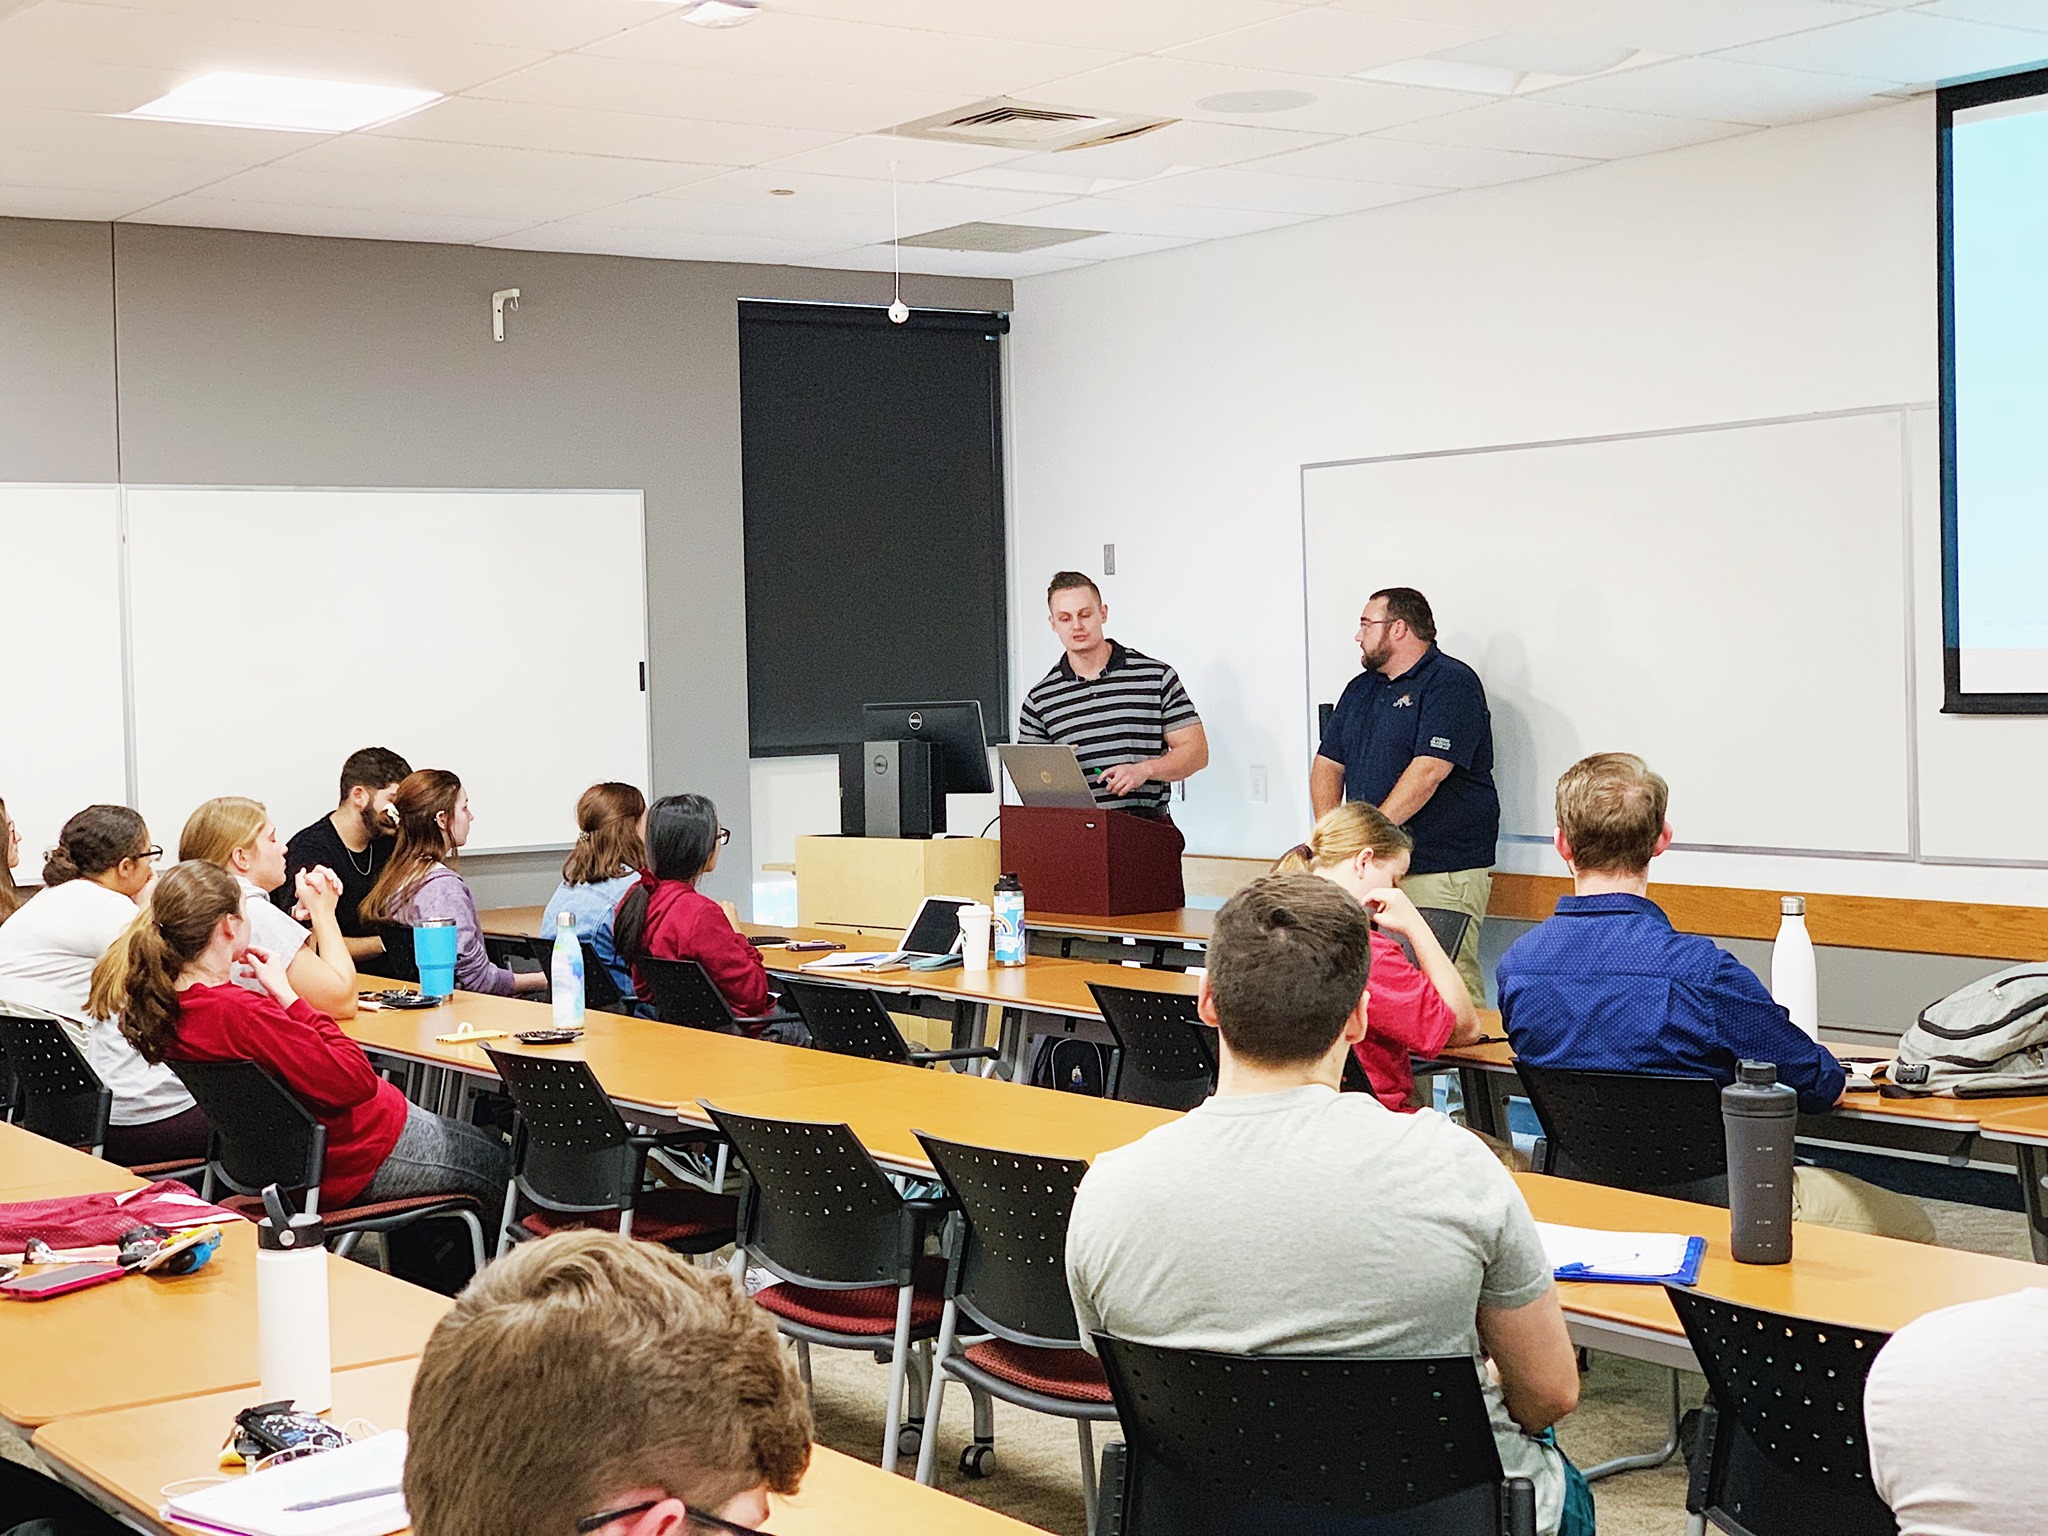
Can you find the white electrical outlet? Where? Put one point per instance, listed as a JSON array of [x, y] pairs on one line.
[[1109, 559], [1258, 783]]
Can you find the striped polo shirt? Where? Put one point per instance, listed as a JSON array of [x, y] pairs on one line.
[[1121, 716]]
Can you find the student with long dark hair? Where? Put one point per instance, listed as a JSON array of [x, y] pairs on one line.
[[610, 852], [665, 917], [171, 982], [94, 879], [420, 884]]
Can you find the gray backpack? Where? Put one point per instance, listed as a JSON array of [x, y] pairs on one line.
[[1988, 1040]]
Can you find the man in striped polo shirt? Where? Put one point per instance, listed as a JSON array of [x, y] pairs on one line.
[[1125, 715]]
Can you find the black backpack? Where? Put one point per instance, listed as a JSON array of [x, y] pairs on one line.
[[1071, 1066]]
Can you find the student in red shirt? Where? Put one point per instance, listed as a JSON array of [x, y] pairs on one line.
[[170, 979], [1414, 1007], [663, 916]]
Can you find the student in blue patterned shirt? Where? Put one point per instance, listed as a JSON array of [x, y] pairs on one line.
[[610, 852], [1608, 985]]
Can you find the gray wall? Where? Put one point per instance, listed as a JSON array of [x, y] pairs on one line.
[[252, 359]]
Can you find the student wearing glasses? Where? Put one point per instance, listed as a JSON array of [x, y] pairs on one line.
[[591, 1383], [102, 869], [665, 917]]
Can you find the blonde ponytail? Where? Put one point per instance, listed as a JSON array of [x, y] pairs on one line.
[[1341, 834]]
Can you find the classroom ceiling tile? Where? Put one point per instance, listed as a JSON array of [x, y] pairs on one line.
[[210, 211], [2028, 15], [882, 258], [596, 131], [820, 230], [1417, 165], [507, 207], [67, 203], [1127, 26], [634, 85], [881, 155], [1723, 90], [1662, 26], [1109, 247], [1325, 40], [787, 45], [662, 244], [122, 140], [1550, 127], [1176, 147], [188, 45], [1255, 189], [1904, 46], [1179, 87], [136, 181], [549, 25], [481, 165], [1154, 218], [919, 205]]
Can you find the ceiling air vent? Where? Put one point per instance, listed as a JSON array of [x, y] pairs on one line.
[[1007, 238], [1024, 125]]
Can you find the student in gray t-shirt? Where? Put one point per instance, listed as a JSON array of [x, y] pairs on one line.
[[1372, 1233]]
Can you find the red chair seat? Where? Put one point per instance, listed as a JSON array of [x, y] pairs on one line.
[[1070, 1373], [251, 1206], [682, 1215], [870, 1310]]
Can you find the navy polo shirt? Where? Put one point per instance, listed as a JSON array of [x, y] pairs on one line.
[[1437, 708]]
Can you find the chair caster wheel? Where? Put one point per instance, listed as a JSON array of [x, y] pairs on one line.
[[909, 1439], [977, 1460]]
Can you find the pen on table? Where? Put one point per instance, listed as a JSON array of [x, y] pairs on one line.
[[341, 1498]]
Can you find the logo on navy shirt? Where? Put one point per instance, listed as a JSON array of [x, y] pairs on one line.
[[1406, 701], [1441, 743]]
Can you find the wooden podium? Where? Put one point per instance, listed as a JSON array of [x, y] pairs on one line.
[[1099, 863]]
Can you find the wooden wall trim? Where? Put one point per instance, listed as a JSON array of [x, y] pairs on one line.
[[1975, 930]]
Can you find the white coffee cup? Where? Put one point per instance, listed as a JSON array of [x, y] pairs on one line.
[[975, 925]]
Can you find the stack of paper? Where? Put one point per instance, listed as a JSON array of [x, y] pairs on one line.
[[859, 960], [1643, 1258], [262, 1503]]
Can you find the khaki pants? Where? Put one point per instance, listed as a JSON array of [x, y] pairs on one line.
[[1459, 890], [1831, 1199]]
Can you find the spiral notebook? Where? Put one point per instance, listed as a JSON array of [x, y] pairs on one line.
[[1626, 1258], [260, 1503]]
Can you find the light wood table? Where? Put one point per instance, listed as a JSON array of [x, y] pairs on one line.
[[130, 1454], [144, 1340], [1176, 939], [33, 1167], [1849, 1278], [511, 922], [2025, 1131], [956, 1107]]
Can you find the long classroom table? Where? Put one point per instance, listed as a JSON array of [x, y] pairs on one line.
[[129, 1454]]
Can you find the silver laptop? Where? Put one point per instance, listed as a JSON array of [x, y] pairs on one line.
[[933, 935], [1048, 775]]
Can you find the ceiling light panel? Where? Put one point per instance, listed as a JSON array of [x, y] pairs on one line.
[[1903, 46], [1549, 127], [1327, 41], [797, 47], [594, 131], [1723, 89], [1664, 26], [231, 99], [665, 90]]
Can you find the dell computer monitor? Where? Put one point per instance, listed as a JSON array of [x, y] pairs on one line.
[[953, 727]]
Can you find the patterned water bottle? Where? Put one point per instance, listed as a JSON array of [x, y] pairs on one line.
[[1009, 917], [565, 978]]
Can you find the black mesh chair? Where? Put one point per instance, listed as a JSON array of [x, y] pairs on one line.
[[817, 1213], [1449, 927], [683, 994], [505, 948], [575, 1162], [1782, 1445], [396, 963], [263, 1135], [600, 987], [1006, 1275], [1165, 1056], [1245, 1445], [45, 1507], [1633, 1130], [58, 1094], [851, 1021]]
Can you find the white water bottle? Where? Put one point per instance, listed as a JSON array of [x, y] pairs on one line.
[[1795, 983], [292, 1347], [565, 979]]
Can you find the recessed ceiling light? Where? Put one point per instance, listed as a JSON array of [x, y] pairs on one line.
[[236, 100], [1256, 101], [721, 13]]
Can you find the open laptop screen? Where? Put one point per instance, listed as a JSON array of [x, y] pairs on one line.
[[936, 928]]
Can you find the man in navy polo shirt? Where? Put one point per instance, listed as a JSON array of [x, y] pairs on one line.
[[1412, 735]]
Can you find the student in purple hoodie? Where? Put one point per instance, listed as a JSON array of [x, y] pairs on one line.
[[420, 885]]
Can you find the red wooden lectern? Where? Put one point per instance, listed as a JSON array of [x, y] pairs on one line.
[[1099, 863]]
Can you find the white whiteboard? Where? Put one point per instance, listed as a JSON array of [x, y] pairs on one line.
[[1731, 603], [61, 731], [500, 634]]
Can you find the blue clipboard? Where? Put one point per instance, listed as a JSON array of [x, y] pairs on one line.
[[1687, 1273]]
